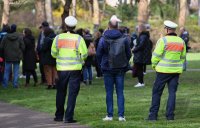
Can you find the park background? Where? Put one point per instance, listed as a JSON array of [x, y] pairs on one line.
[[94, 14]]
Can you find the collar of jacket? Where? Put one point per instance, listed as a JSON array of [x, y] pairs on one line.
[[171, 34]]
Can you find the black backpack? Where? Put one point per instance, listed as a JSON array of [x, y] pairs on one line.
[[116, 52]]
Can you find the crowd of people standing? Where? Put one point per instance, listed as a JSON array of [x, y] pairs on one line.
[[67, 58]]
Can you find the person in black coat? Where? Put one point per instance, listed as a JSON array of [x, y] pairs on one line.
[[142, 54], [29, 56], [47, 60], [87, 68]]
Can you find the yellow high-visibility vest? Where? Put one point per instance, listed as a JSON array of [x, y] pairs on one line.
[[70, 51], [169, 55]]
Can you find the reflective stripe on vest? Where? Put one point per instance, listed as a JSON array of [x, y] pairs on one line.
[[170, 65], [68, 63], [157, 55], [68, 58], [172, 61]]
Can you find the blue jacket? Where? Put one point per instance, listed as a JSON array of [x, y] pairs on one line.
[[102, 50]]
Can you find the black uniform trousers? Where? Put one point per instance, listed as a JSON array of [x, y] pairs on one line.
[[161, 79], [65, 78]]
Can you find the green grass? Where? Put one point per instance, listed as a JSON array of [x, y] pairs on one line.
[[91, 107]]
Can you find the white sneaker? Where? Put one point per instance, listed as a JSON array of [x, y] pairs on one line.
[[144, 73], [107, 118], [122, 118], [139, 85]]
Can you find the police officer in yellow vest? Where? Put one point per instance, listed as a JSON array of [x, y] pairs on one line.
[[70, 51], [168, 58]]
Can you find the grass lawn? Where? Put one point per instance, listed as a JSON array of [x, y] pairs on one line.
[[91, 107]]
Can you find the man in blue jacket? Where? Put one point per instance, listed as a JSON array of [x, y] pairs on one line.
[[113, 55]]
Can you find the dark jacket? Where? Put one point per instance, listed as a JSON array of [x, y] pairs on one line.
[[102, 50], [88, 39], [47, 59], [142, 51], [12, 47], [29, 61], [185, 37]]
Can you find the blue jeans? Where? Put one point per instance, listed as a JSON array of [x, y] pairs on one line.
[[7, 71], [109, 80], [87, 72]]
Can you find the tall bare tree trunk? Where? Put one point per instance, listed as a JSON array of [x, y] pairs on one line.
[[65, 13], [40, 12], [48, 11], [199, 14], [90, 5], [74, 8], [143, 11], [96, 16], [182, 12], [6, 12]]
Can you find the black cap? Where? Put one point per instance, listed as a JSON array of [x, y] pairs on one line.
[[45, 24]]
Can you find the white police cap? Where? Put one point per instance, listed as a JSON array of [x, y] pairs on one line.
[[71, 21], [170, 24]]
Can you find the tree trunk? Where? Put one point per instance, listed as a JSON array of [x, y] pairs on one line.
[[143, 11], [40, 12], [65, 13], [96, 16], [90, 5], [48, 11], [6, 12], [74, 8], [182, 12], [63, 2], [199, 14]]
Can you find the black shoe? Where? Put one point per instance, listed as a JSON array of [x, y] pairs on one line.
[[58, 119], [70, 121], [48, 87], [85, 82], [90, 82], [54, 87]]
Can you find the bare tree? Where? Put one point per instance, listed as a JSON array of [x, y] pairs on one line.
[[48, 11], [74, 8], [65, 13], [182, 12], [40, 12], [90, 5], [96, 16], [6, 12], [143, 11], [199, 14]]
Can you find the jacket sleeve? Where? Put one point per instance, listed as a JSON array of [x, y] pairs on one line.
[[83, 49], [54, 50], [157, 53], [128, 49], [100, 51], [22, 45], [2, 47]]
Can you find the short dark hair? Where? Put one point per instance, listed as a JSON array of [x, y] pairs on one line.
[[48, 31], [45, 24], [70, 29], [27, 32]]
